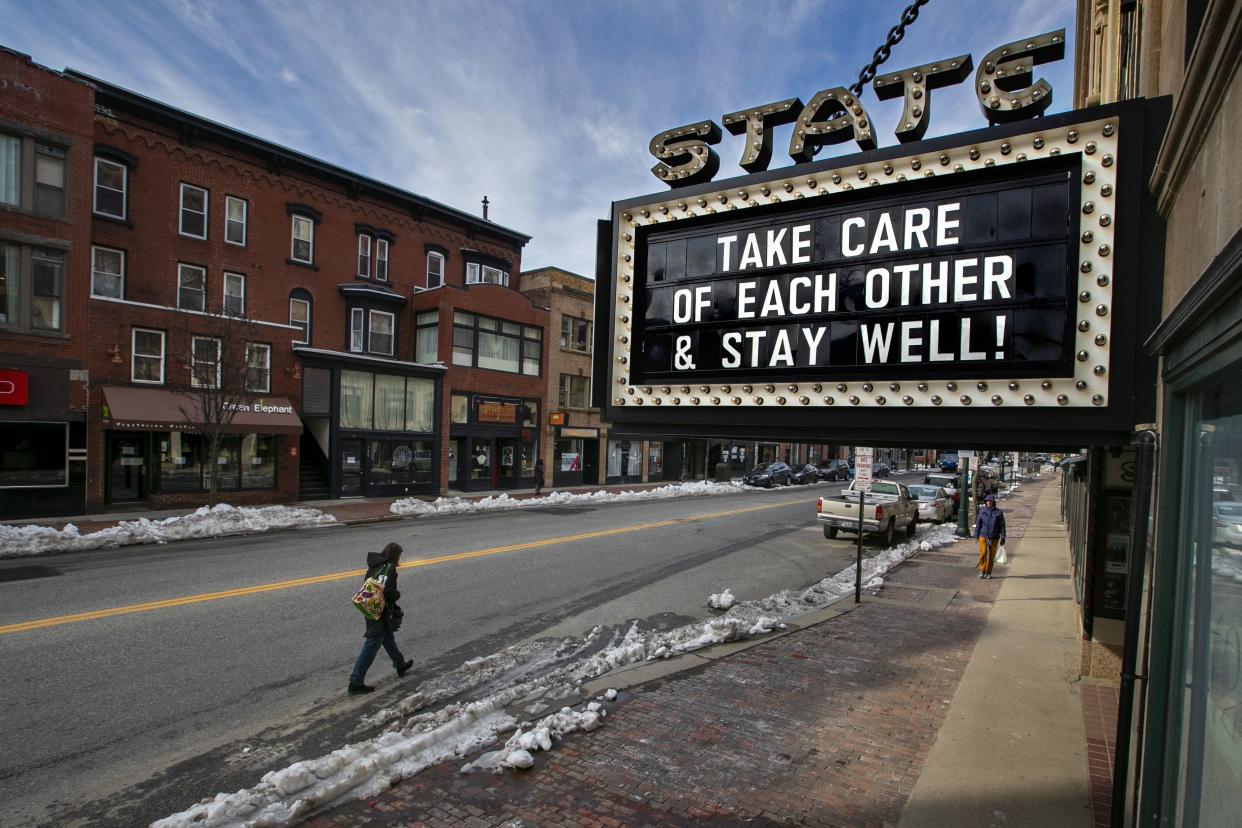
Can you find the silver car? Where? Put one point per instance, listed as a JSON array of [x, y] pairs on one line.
[[935, 504], [1227, 524]]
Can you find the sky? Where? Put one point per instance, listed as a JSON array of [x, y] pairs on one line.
[[546, 107]]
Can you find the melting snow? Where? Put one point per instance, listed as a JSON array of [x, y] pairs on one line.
[[721, 600]]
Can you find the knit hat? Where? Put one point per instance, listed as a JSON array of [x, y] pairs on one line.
[[990, 499]]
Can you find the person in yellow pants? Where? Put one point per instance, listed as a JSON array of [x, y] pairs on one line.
[[990, 530]]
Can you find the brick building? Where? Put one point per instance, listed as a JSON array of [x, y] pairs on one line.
[[202, 268], [45, 169]]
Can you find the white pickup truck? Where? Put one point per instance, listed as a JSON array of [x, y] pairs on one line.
[[887, 509]]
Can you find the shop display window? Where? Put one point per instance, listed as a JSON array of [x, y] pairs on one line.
[[33, 454], [357, 389], [389, 403], [399, 462], [420, 404], [181, 462]]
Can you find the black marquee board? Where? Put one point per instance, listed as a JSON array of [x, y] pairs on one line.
[[991, 286]]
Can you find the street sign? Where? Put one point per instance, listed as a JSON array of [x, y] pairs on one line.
[[863, 457]]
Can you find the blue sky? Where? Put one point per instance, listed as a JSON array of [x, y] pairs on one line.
[[545, 106]]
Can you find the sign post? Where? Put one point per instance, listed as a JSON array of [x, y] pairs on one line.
[[963, 511], [862, 484]]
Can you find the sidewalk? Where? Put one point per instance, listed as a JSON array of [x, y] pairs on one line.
[[944, 699]]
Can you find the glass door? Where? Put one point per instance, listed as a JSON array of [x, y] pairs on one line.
[[509, 457], [128, 468], [351, 467], [480, 462], [454, 457]]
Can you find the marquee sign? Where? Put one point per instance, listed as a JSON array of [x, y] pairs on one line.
[[988, 273]]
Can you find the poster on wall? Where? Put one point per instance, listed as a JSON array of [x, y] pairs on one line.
[[571, 461]]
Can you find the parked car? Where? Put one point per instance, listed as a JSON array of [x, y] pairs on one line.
[[879, 470], [888, 508], [950, 483], [948, 462], [768, 475], [1227, 524], [800, 475], [935, 504], [834, 470]]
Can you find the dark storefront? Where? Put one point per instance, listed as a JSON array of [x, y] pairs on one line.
[[42, 444], [493, 443], [371, 425], [576, 459]]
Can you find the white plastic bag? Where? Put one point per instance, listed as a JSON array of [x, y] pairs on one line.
[[1001, 557]]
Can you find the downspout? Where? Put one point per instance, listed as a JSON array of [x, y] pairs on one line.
[[1134, 597]]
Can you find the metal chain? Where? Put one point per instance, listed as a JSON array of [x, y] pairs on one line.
[[881, 54]]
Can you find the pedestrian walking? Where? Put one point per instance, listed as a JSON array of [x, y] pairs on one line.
[[538, 475], [379, 632], [990, 530]]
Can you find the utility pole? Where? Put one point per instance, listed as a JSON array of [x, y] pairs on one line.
[[963, 511]]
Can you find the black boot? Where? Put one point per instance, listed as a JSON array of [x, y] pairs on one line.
[[405, 668], [358, 689]]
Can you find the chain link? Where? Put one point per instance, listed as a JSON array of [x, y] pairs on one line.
[[881, 54]]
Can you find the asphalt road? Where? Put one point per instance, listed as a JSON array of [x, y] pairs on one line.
[[128, 715]]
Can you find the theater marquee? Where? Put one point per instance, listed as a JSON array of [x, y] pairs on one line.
[[1000, 269]]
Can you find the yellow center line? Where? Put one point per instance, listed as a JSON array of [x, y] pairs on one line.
[[149, 606]]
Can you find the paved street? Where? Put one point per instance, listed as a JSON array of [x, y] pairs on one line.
[[129, 715]]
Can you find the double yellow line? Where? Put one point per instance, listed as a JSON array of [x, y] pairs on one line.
[[168, 603]]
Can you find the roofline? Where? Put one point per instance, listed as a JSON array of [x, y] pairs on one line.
[[549, 268], [254, 144]]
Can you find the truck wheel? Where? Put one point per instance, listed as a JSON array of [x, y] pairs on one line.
[[889, 533], [914, 524], [830, 532]]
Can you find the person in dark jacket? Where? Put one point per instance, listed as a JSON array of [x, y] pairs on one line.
[[990, 530], [538, 475], [380, 631]]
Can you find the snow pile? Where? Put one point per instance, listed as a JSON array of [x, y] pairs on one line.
[[721, 600], [205, 522], [1227, 563], [555, 669], [502, 502]]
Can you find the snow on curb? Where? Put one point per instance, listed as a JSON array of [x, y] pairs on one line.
[[721, 600], [502, 502], [213, 521], [368, 767]]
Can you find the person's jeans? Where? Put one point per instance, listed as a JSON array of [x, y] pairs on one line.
[[370, 647]]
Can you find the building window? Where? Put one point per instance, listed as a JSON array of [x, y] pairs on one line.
[[107, 272], [234, 294], [303, 240], [235, 210], [389, 403], [193, 211], [532, 350], [357, 325], [480, 274], [300, 315], [381, 259], [35, 454], [576, 334], [381, 333], [191, 287], [357, 395], [459, 411], [495, 344], [204, 362], [46, 271], [10, 170], [435, 269], [147, 357], [420, 404], [49, 195], [258, 367], [245, 460], [463, 339], [10, 284], [427, 336], [575, 391], [111, 180], [364, 255]]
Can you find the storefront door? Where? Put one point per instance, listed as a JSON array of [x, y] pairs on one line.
[[351, 467], [454, 461], [481, 462], [128, 461]]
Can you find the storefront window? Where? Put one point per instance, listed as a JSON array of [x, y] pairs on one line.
[[527, 449], [356, 395], [1211, 546], [624, 458], [181, 462], [530, 416], [33, 454], [258, 461], [481, 461], [389, 403], [399, 462], [569, 455], [655, 461], [510, 457], [420, 404]]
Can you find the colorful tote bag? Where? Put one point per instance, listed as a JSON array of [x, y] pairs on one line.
[[370, 599]]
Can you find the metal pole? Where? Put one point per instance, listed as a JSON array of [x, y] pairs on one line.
[[1135, 567], [963, 510], [862, 500]]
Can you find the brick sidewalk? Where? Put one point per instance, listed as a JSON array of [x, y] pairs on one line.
[[1099, 714], [826, 726]]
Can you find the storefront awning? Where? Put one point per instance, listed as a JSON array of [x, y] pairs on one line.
[[148, 409]]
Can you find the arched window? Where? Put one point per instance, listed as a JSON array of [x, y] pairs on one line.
[[300, 314], [435, 269]]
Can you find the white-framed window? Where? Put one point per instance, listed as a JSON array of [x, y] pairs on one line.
[[234, 294], [381, 259], [435, 269], [300, 315], [191, 287], [481, 274], [381, 328], [357, 329], [193, 211], [146, 363], [111, 188], [364, 255], [303, 249], [204, 362], [49, 194], [107, 272], [235, 215], [258, 367], [10, 170]]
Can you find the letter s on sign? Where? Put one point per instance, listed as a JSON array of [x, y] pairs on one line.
[[685, 157]]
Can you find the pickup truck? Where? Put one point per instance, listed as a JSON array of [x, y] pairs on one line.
[[888, 508]]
